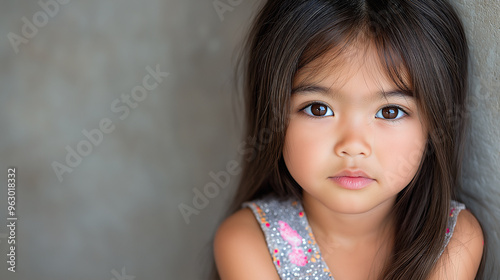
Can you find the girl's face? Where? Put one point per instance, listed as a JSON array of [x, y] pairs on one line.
[[349, 146]]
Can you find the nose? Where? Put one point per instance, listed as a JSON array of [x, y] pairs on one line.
[[353, 141]]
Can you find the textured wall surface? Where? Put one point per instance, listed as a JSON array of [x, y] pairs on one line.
[[115, 211], [481, 176], [118, 207]]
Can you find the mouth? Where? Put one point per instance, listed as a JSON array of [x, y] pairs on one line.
[[352, 179]]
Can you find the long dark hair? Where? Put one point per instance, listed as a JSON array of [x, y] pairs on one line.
[[423, 49]]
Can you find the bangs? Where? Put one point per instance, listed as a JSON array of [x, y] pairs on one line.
[[359, 31]]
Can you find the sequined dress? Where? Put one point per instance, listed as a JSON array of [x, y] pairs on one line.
[[290, 240]]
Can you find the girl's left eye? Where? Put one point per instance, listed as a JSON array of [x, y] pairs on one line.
[[391, 113], [318, 110]]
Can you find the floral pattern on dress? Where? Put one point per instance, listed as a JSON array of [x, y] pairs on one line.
[[294, 250], [297, 255]]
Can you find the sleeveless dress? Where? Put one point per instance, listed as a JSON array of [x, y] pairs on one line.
[[290, 240]]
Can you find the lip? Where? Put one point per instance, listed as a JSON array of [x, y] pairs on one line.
[[352, 179]]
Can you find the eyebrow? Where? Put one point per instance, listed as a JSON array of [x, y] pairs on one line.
[[311, 89]]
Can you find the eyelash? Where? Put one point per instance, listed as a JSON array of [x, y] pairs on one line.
[[328, 108], [315, 103]]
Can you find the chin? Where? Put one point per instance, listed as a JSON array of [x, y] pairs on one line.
[[352, 209], [351, 205]]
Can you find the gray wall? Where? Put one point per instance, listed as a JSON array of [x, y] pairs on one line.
[[117, 212], [118, 208], [481, 176]]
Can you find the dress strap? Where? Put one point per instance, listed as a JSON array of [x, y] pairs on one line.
[[289, 238], [455, 208]]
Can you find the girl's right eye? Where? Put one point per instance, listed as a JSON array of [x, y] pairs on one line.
[[318, 110]]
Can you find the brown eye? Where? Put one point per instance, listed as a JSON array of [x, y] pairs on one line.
[[318, 110], [391, 113]]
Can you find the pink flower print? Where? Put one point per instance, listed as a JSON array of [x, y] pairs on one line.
[[297, 257], [290, 235]]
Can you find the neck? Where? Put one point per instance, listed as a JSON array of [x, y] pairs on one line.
[[340, 230]]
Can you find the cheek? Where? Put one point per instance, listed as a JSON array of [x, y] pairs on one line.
[[400, 155], [305, 152]]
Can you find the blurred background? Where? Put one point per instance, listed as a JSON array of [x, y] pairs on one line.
[[111, 152]]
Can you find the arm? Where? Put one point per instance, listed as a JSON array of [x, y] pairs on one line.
[[462, 256], [240, 249]]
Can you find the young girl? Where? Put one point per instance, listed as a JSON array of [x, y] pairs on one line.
[[355, 108]]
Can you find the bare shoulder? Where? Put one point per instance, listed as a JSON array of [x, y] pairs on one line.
[[463, 254], [240, 249]]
